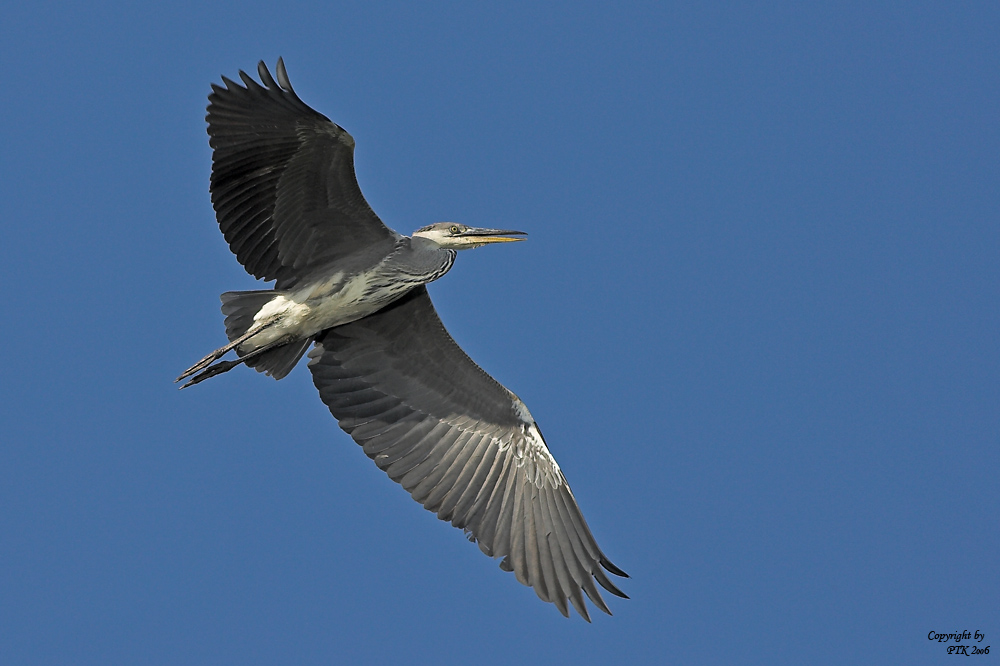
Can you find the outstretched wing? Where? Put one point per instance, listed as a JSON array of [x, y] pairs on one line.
[[283, 183], [462, 445]]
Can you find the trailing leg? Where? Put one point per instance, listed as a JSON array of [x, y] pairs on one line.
[[221, 351], [226, 366]]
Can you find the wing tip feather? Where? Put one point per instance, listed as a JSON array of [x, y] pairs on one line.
[[282, 73], [610, 566]]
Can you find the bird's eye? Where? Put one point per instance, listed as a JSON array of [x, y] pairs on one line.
[[455, 229]]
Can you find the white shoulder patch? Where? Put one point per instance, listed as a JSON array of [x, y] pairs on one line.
[[521, 409], [530, 452]]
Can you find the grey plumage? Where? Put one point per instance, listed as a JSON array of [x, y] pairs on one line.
[[465, 447], [283, 183], [431, 418]]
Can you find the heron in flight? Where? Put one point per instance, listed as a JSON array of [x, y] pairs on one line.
[[289, 205]]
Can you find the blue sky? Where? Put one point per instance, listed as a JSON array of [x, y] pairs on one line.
[[756, 317]]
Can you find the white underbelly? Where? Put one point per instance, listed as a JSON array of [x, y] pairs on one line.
[[307, 311]]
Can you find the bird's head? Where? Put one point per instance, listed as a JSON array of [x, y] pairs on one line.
[[454, 236]]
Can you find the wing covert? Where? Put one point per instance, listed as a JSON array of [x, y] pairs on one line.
[[283, 183], [462, 445]]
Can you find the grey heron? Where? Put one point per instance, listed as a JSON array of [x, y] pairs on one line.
[[288, 203]]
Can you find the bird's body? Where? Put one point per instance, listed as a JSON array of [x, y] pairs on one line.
[[465, 447], [349, 293]]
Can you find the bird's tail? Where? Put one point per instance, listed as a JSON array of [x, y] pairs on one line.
[[276, 359], [240, 308]]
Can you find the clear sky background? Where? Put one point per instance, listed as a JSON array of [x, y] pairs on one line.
[[757, 318]]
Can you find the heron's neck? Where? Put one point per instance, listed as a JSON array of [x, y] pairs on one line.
[[418, 259]]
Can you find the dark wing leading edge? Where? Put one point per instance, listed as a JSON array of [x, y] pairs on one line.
[[462, 445], [283, 183]]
